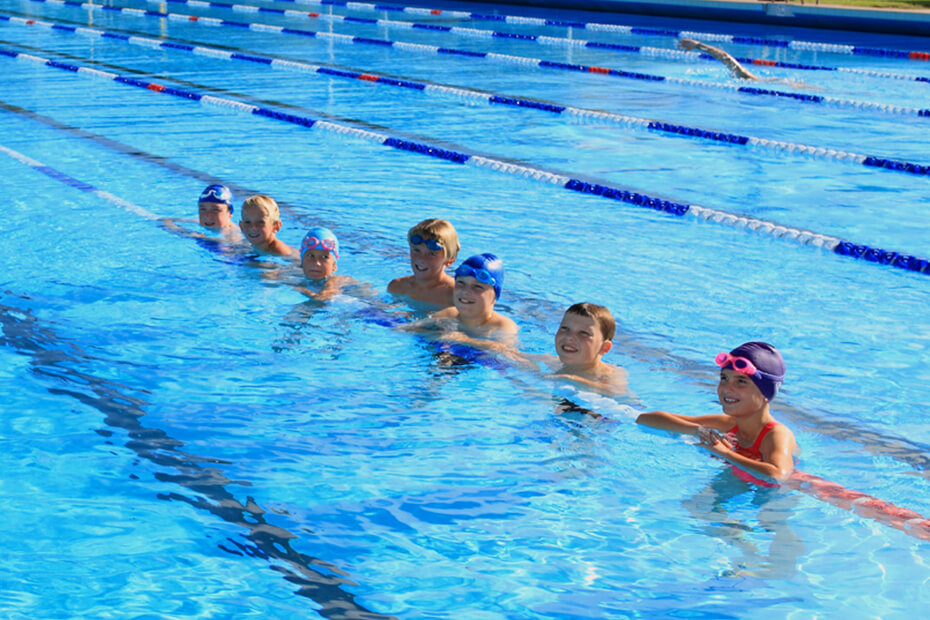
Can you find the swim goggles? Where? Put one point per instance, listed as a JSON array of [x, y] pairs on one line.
[[482, 275], [431, 244], [315, 243], [745, 367], [217, 193]]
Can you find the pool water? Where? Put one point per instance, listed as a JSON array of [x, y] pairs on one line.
[[185, 435]]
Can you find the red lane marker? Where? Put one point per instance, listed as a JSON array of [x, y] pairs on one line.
[[193, 18], [598, 69], [368, 78], [919, 56], [435, 12], [767, 63], [156, 87], [904, 519], [313, 15], [30, 22]]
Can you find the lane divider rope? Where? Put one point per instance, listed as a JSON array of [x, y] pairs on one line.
[[458, 93], [838, 246], [521, 60], [627, 30], [480, 33], [81, 185]]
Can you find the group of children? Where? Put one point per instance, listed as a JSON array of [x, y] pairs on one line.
[[745, 434]]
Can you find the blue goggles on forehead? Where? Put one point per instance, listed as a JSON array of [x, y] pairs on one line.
[[482, 275], [431, 244], [216, 193]]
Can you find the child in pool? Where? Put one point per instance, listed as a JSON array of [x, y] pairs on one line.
[[745, 434], [478, 283], [434, 246], [319, 256], [584, 336], [215, 209], [260, 221]]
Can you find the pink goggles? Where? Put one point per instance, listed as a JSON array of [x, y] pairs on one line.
[[743, 366], [315, 243]]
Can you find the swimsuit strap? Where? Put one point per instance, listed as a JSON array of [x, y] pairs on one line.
[[753, 450]]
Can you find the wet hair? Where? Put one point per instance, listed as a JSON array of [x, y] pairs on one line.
[[267, 205], [600, 314], [438, 230]]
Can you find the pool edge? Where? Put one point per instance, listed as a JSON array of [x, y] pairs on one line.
[[903, 22]]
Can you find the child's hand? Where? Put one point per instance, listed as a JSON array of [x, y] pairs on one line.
[[712, 439]]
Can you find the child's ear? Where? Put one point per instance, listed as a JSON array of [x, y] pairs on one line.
[[277, 226], [606, 347]]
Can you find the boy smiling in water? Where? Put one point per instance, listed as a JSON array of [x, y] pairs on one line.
[[434, 246], [214, 210], [260, 221], [584, 336], [478, 283]]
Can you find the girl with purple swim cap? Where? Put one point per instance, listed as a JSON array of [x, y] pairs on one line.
[[745, 434]]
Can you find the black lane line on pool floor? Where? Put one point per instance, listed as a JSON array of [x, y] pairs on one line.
[[914, 454], [53, 358], [465, 94]]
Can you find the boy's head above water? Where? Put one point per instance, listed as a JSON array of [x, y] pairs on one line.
[[584, 335], [319, 252], [485, 270], [215, 207], [260, 220], [432, 239]]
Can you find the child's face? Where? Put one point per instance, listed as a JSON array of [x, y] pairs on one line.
[[738, 395], [318, 264], [258, 227], [427, 264], [473, 298], [579, 341], [214, 215]]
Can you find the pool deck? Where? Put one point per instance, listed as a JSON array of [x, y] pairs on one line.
[[809, 14]]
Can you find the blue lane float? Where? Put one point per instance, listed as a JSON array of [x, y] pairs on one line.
[[510, 59], [813, 46], [494, 99], [838, 246]]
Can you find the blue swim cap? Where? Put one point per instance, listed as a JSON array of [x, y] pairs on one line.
[[320, 238], [768, 362], [217, 193], [486, 268]]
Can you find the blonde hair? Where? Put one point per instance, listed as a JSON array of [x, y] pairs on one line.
[[600, 314], [266, 204], [438, 230]]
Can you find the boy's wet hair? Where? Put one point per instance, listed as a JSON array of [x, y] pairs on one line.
[[600, 314], [267, 205], [442, 231]]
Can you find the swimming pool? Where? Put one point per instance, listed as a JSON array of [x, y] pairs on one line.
[[187, 436]]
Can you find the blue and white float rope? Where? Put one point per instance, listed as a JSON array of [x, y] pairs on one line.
[[834, 244], [81, 185], [477, 96], [517, 60], [628, 30], [654, 52]]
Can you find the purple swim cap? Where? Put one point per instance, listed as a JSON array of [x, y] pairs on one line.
[[768, 363]]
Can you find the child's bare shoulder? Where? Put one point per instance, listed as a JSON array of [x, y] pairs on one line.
[[401, 286]]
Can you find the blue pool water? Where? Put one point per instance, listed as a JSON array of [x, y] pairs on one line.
[[186, 436]]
